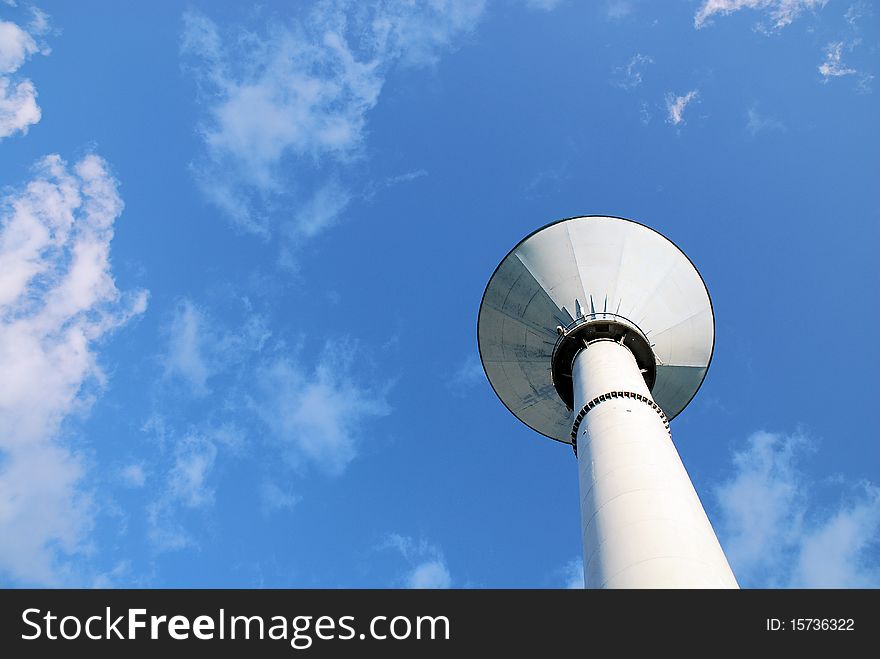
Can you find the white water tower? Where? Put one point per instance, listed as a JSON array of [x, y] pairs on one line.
[[596, 332]]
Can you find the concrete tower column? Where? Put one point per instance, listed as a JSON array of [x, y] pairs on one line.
[[642, 521]]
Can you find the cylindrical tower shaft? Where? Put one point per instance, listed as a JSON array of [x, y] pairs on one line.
[[642, 521]]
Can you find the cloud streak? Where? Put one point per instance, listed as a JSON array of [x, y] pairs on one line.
[[780, 12]]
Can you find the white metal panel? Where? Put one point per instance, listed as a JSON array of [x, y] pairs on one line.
[[549, 257], [643, 524], [598, 246], [625, 268], [675, 386]]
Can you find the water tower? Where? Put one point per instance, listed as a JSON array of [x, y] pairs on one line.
[[596, 332]]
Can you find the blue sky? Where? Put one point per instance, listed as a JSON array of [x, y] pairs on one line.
[[242, 251]]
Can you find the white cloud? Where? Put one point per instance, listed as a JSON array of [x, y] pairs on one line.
[[318, 415], [616, 10], [833, 66], [185, 357], [18, 98], [645, 114], [543, 5], [18, 106], [299, 93], [406, 177], [274, 498], [832, 553], [119, 575], [199, 348], [675, 106], [780, 12], [164, 529], [416, 34], [39, 26], [468, 374], [864, 83], [429, 574], [58, 300], [772, 532], [16, 46], [134, 475], [762, 504], [574, 574], [758, 122], [322, 210], [428, 569], [629, 76], [188, 480], [373, 187], [857, 12]]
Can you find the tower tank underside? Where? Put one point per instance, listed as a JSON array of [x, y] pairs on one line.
[[597, 331], [589, 269]]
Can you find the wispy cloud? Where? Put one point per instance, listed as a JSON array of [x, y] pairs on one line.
[[757, 122], [18, 97], [198, 347], [275, 499], [776, 534], [430, 574], [833, 66], [617, 10], [857, 12], [783, 12], [187, 483], [315, 412], [645, 114], [406, 177], [832, 552], [185, 357], [851, 40], [428, 569], [543, 5], [629, 76], [675, 106], [288, 105], [779, 12], [574, 574], [58, 301], [133, 475], [317, 415], [164, 528], [321, 211], [188, 479], [468, 374], [864, 85]]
